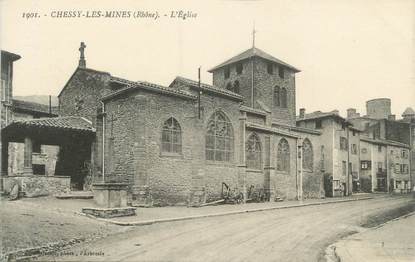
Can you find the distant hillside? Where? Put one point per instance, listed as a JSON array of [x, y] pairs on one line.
[[41, 99]]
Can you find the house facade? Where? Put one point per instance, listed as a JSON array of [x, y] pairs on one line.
[[339, 147], [44, 157], [386, 148]]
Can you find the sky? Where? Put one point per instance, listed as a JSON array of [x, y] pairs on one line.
[[348, 51]]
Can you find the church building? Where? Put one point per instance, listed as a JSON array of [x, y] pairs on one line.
[[177, 144], [180, 144]]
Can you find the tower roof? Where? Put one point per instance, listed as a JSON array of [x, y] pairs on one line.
[[408, 112], [251, 53], [12, 56]]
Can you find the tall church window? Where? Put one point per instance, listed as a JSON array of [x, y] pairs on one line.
[[236, 86], [283, 97], [239, 68], [219, 138], [253, 152], [171, 138], [277, 96], [308, 157], [283, 156]]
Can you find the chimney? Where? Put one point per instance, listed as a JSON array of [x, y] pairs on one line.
[[351, 113], [302, 113], [392, 117], [82, 62]]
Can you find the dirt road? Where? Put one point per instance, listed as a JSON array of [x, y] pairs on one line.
[[298, 234]]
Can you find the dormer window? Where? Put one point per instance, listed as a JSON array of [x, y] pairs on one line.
[[239, 68], [227, 72], [270, 68], [281, 72]]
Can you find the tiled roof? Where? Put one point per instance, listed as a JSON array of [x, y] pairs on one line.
[[271, 129], [297, 128], [121, 80], [250, 53], [68, 123], [32, 107], [252, 110], [384, 142], [319, 114], [206, 87], [130, 85]]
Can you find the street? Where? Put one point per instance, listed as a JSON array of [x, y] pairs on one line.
[[297, 234]]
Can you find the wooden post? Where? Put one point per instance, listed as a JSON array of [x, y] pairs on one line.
[[242, 158], [4, 158], [28, 149]]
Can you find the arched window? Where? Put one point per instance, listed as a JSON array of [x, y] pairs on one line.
[[253, 152], [229, 86], [171, 138], [277, 96], [236, 87], [283, 156], [283, 97], [219, 138], [308, 157]]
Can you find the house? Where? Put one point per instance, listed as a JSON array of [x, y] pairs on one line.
[[339, 147], [385, 148], [44, 157]]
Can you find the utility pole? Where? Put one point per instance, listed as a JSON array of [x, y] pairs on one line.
[[300, 169], [198, 93], [348, 160], [253, 64]]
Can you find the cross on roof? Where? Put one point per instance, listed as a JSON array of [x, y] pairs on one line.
[[82, 49]]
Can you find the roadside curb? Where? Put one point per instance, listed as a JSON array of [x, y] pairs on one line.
[[174, 219], [331, 253]]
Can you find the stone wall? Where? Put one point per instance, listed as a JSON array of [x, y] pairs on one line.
[[133, 154], [81, 96], [47, 156], [5, 102], [264, 84], [34, 186], [82, 93], [397, 131], [313, 181], [253, 118], [264, 91], [244, 79], [284, 184]]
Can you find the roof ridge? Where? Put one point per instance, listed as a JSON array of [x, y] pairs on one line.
[[209, 86], [251, 52], [27, 101]]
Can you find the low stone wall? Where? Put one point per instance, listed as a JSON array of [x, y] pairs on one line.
[[34, 186], [109, 212]]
